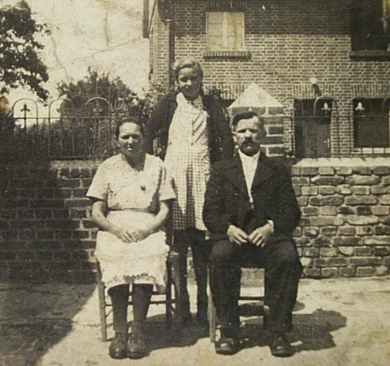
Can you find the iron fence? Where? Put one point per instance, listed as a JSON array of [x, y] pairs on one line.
[[62, 131], [310, 128]]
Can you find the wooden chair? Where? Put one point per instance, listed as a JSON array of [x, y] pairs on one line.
[[212, 313], [157, 298]]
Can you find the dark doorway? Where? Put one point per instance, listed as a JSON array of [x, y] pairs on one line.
[[312, 127]]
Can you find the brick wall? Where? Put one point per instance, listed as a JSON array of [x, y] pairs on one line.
[[45, 228], [345, 227], [46, 233], [290, 41]]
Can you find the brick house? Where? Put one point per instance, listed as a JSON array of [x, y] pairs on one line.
[[327, 63]]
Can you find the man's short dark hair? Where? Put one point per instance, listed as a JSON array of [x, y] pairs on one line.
[[247, 115]]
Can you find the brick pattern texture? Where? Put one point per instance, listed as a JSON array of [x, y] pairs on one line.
[[46, 232], [290, 42], [345, 226]]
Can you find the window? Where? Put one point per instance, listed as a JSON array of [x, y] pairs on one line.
[[312, 121], [225, 31], [370, 25], [371, 123]]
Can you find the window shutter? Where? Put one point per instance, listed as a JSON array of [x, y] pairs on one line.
[[214, 30], [234, 30]]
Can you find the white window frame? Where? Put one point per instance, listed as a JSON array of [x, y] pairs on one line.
[[225, 15]]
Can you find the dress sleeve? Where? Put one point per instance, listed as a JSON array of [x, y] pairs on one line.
[[166, 191], [99, 186]]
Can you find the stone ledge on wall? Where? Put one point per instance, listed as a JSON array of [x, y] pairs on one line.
[[343, 162]]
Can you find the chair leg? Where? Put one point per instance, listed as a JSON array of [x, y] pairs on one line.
[[102, 302], [168, 295], [102, 310], [172, 269], [212, 315], [175, 276]]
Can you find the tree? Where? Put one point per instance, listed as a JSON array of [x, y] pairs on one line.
[[121, 99], [20, 64], [94, 85], [89, 112]]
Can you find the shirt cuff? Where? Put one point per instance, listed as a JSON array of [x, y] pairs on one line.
[[271, 224]]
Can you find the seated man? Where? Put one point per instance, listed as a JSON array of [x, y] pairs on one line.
[[251, 211]]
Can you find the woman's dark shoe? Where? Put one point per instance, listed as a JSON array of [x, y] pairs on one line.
[[136, 347], [280, 346], [117, 347]]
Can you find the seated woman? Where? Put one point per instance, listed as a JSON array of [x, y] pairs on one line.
[[131, 194]]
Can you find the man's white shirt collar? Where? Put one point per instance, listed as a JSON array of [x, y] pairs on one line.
[[249, 166], [248, 159]]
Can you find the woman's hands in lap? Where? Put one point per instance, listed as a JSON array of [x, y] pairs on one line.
[[130, 236]]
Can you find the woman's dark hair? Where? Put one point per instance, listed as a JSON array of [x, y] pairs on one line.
[[134, 120], [248, 115], [182, 64]]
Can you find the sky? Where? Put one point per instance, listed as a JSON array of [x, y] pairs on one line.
[[103, 34]]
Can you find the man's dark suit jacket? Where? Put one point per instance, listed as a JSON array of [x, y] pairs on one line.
[[227, 200]]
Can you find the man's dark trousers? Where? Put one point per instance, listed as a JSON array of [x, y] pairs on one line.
[[282, 273]]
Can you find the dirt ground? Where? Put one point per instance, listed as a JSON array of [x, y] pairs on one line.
[[336, 322]]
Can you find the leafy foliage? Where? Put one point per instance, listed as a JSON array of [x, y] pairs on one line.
[[95, 85], [83, 125], [20, 64], [90, 110], [121, 100]]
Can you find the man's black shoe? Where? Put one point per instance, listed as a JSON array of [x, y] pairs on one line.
[[226, 346], [280, 346]]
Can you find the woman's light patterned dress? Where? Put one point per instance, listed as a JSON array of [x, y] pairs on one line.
[[188, 162]]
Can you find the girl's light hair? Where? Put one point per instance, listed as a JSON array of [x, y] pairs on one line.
[[190, 63]]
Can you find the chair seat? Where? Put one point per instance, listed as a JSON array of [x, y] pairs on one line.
[[253, 308]]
